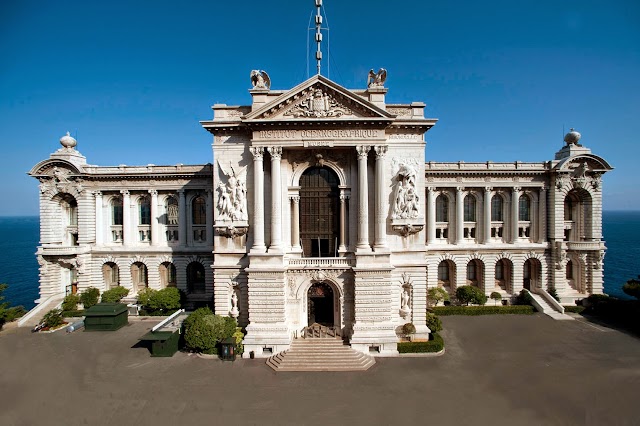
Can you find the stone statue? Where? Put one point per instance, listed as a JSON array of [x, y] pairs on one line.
[[232, 198], [405, 296], [377, 79], [404, 300], [234, 304], [406, 199], [260, 79], [172, 213]]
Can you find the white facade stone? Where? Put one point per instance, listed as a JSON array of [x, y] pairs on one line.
[[372, 246]]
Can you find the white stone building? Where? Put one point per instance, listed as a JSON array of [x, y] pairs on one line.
[[319, 208]]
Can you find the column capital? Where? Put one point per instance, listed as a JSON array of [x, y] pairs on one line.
[[97, 194], [294, 198], [257, 152], [459, 188], [153, 192], [124, 192], [363, 151], [381, 151], [543, 188], [488, 189], [180, 192], [344, 197], [431, 189], [516, 189], [275, 152]]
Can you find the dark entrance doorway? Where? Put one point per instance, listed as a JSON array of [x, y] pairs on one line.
[[320, 304], [319, 212]]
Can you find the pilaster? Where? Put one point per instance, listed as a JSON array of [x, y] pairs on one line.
[[363, 199]]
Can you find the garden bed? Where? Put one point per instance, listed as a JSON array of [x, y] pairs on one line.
[[431, 346], [483, 310]]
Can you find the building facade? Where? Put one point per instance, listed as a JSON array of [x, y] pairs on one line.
[[320, 208]]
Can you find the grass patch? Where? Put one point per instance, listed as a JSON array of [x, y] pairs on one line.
[[484, 310], [435, 345], [574, 309]]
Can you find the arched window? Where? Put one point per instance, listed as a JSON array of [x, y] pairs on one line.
[[199, 211], [469, 208], [144, 206], [499, 270], [319, 212], [442, 208], [446, 274], [116, 211], [524, 208], [110, 275], [443, 271], [172, 211], [139, 276], [568, 207], [474, 273], [167, 274], [497, 209], [195, 278]]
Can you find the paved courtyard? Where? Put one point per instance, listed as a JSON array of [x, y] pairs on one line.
[[515, 370]]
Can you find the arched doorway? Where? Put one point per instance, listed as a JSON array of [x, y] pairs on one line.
[[320, 300], [531, 274], [319, 212]]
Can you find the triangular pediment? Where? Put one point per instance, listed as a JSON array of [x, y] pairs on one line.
[[318, 98]]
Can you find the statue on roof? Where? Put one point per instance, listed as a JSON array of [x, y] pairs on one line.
[[377, 79], [260, 79]]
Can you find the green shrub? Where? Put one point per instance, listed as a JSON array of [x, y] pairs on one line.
[[435, 345], [195, 315], [70, 302], [114, 295], [483, 310], [553, 293], [144, 296], [495, 296], [524, 298], [73, 313], [206, 331], [13, 313], [632, 287], [574, 309], [408, 329], [89, 297], [165, 300], [239, 336], [53, 318], [433, 322], [469, 294], [436, 295]]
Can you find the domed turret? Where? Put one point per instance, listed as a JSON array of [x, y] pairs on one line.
[[68, 142], [572, 137]]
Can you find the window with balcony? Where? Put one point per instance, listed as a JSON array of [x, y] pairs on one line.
[[144, 219], [199, 219], [524, 216], [497, 216], [442, 217], [117, 217]]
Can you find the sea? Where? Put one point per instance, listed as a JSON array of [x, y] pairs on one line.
[[19, 267]]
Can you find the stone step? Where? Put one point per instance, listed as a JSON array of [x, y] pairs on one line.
[[320, 355]]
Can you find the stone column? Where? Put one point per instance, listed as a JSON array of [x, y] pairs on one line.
[[431, 216], [487, 215], [258, 200], [459, 215], [344, 199], [182, 218], [363, 199], [515, 213], [128, 237], [154, 217], [542, 215], [276, 199], [99, 228], [295, 222], [381, 216], [209, 217]]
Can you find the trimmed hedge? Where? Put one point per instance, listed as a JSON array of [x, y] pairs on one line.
[[574, 309], [435, 345], [73, 313], [484, 310]]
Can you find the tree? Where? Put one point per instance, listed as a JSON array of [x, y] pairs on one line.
[[433, 322], [469, 294], [436, 295], [495, 296], [632, 287], [7, 313]]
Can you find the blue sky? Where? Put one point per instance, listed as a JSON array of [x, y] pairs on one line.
[[133, 78]]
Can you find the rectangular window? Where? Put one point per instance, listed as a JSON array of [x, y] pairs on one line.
[[117, 214], [145, 214]]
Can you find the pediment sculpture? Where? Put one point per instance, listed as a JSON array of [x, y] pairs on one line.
[[318, 105]]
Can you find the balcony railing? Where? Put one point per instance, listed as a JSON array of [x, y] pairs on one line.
[[584, 245], [322, 262]]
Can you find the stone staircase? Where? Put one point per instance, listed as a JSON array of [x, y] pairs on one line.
[[328, 354], [542, 305]]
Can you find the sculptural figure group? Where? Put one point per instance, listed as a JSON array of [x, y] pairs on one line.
[[406, 199], [232, 197]]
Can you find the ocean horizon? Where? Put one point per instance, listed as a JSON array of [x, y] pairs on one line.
[[19, 266]]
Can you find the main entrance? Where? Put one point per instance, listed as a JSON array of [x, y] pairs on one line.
[[320, 304]]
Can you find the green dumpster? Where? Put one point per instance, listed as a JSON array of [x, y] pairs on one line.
[[106, 317], [163, 343]]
